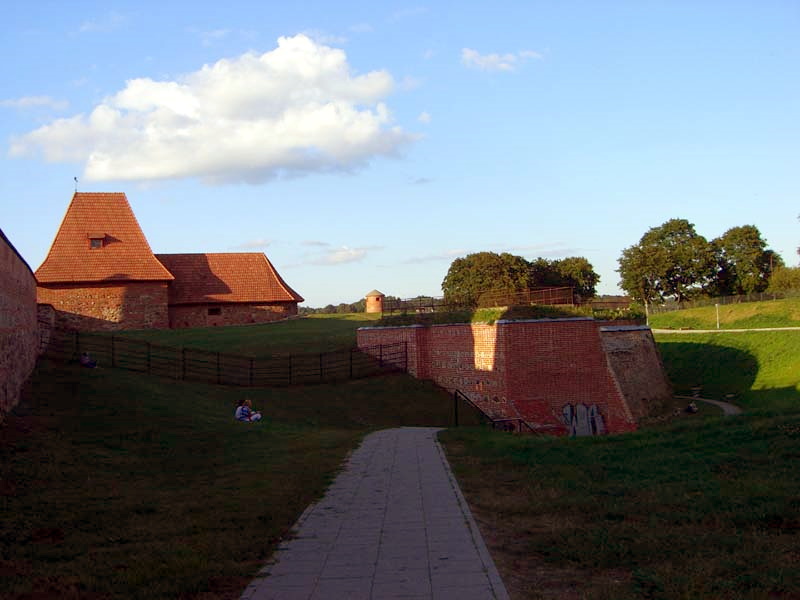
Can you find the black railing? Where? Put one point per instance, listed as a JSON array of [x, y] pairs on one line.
[[483, 418], [227, 369]]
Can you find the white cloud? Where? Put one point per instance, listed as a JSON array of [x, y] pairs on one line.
[[108, 22], [338, 256], [424, 117], [215, 35], [496, 62], [294, 110], [361, 28], [254, 244], [448, 255], [35, 102]]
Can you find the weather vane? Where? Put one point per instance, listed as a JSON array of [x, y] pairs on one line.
[[76, 184]]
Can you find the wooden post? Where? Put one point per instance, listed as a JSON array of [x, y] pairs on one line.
[[380, 355], [290, 369], [351, 363], [148, 357], [219, 373], [251, 372], [113, 356], [320, 366], [455, 409], [183, 363]]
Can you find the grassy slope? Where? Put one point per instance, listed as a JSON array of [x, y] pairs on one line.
[[315, 333], [776, 313], [114, 484]]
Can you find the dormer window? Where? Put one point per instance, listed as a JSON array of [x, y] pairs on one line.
[[96, 240]]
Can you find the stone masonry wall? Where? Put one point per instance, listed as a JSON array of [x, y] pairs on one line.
[[107, 306], [197, 315], [19, 336], [556, 374]]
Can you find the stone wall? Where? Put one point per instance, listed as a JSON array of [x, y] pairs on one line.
[[107, 306], [19, 336], [569, 376], [212, 315]]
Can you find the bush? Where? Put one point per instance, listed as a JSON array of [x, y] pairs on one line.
[[785, 279]]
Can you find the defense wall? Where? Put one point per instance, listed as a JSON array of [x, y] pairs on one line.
[[107, 306], [19, 336], [211, 315], [558, 374]]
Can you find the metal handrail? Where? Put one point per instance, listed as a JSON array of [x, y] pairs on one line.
[[500, 424]]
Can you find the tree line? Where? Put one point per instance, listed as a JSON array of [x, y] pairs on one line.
[[674, 262]]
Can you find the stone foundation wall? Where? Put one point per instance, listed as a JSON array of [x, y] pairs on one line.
[[19, 334], [107, 306], [213, 315]]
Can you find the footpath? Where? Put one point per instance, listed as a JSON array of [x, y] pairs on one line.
[[393, 524]]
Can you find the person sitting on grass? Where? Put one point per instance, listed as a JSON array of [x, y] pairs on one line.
[[244, 412], [86, 361]]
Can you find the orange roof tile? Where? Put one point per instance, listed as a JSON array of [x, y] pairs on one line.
[[225, 277], [125, 254]]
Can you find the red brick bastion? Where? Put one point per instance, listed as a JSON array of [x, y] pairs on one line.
[[573, 376]]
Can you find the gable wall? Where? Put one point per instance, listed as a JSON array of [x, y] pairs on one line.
[[19, 336], [107, 306]]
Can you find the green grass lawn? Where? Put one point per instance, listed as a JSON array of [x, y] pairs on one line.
[[119, 485], [306, 335], [774, 313]]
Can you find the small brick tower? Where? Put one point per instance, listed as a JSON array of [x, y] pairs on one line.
[[375, 302]]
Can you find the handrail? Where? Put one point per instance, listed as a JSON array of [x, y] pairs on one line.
[[501, 424]]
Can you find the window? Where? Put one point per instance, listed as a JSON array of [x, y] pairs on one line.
[[95, 243], [214, 311]]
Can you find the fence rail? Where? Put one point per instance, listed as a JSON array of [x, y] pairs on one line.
[[227, 369], [723, 300], [486, 299]]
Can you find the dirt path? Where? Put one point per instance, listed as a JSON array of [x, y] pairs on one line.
[[727, 408]]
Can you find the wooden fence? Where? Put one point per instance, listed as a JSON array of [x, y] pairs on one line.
[[227, 369]]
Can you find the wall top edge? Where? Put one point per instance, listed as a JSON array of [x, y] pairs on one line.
[[555, 320], [625, 328], [390, 327]]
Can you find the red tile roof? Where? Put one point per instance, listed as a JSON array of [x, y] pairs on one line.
[[125, 254], [225, 277]]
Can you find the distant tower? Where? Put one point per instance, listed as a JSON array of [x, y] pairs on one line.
[[375, 302]]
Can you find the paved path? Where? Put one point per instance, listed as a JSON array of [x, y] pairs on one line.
[[393, 524], [724, 330]]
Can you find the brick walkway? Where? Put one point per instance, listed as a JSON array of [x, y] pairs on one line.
[[394, 524]]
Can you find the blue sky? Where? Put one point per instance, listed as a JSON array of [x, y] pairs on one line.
[[367, 145]]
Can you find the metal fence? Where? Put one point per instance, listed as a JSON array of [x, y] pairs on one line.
[[227, 369], [487, 299], [723, 300]]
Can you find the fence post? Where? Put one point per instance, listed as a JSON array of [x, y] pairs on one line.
[[148, 358], [251, 372], [405, 356], [455, 409], [219, 373], [290, 369], [380, 355], [183, 363], [351, 363], [320, 366], [77, 344], [113, 354]]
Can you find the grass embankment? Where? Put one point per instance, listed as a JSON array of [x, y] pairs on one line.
[[314, 333], [751, 315], [704, 507], [118, 485]]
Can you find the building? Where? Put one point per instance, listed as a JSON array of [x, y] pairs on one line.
[[374, 302], [101, 274]]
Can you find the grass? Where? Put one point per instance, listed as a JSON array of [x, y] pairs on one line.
[[311, 334], [703, 509], [117, 485], [775, 313]]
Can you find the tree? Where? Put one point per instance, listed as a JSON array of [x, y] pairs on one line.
[[785, 279], [744, 262], [670, 261], [577, 272], [483, 271]]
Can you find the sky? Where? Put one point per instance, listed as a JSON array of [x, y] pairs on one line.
[[365, 146]]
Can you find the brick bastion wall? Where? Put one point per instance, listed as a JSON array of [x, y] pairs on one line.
[[566, 376], [19, 335]]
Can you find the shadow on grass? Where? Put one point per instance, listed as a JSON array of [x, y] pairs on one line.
[[717, 370]]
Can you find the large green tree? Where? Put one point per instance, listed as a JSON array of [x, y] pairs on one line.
[[574, 271], [483, 271], [744, 262], [670, 261]]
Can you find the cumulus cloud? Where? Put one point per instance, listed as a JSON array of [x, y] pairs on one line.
[[35, 102], [341, 255], [291, 111], [496, 62], [424, 117]]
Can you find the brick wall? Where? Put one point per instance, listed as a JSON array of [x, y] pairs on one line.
[[19, 337], [197, 315], [537, 370], [107, 306]]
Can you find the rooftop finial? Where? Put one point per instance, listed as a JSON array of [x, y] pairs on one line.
[[76, 184]]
